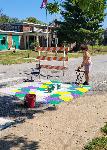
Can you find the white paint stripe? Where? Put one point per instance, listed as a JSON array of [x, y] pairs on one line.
[[5, 123], [12, 79]]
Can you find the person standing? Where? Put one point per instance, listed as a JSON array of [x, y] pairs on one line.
[[86, 63]]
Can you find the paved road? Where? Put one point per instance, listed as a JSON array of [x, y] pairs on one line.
[[98, 71]]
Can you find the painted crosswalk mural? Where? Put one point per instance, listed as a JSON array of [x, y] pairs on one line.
[[47, 91]]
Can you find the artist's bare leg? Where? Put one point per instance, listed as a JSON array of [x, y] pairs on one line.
[[87, 76]]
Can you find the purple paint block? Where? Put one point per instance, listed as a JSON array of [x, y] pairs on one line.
[[75, 95], [32, 87], [22, 92], [53, 99]]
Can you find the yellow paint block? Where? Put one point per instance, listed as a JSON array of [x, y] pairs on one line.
[[82, 89], [32, 92], [66, 98], [48, 83], [15, 90], [62, 93], [44, 86]]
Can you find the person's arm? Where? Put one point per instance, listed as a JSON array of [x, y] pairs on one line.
[[84, 60], [80, 66]]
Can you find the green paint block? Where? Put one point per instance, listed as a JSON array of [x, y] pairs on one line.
[[20, 95], [80, 93], [21, 98], [25, 89], [19, 88], [87, 87], [71, 91], [77, 92], [55, 95], [54, 102], [55, 81], [41, 89], [50, 85]]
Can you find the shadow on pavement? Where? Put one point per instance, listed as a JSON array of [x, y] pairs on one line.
[[13, 108], [13, 142]]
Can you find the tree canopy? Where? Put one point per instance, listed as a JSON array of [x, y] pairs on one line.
[[33, 20], [92, 6], [80, 26]]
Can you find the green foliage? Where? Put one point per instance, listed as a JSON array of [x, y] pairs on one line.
[[6, 19], [91, 6], [34, 44], [14, 20], [33, 20], [104, 129], [97, 144], [53, 7], [3, 18], [80, 26]]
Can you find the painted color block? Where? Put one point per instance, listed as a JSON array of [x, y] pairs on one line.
[[82, 89]]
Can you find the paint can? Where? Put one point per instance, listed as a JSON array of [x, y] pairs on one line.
[[29, 100]]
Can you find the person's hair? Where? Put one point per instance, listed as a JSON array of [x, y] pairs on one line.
[[84, 47]]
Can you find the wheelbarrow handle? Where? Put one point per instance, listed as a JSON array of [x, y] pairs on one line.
[[78, 70]]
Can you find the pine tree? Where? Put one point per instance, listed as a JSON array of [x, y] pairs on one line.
[[79, 26]]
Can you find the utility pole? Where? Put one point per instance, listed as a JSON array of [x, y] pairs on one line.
[[47, 36]]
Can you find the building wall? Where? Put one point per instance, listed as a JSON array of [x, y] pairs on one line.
[[15, 38], [27, 28], [9, 41]]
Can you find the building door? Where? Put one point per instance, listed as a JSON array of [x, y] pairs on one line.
[[16, 41]]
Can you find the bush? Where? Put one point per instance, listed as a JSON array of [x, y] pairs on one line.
[[104, 129], [34, 44], [97, 144]]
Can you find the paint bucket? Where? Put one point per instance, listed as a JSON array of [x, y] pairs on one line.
[[29, 100]]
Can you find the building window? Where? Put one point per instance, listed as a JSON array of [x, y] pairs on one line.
[[3, 41]]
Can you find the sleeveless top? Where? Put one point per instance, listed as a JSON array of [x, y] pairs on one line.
[[87, 59]]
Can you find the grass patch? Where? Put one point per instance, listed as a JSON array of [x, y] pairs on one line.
[[97, 144], [104, 129], [9, 57], [75, 55], [95, 50]]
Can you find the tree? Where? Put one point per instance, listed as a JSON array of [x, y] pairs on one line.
[[14, 20], [33, 20], [90, 5], [79, 26], [6, 19], [3, 18], [86, 5]]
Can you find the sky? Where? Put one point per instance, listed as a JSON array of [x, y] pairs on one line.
[[22, 9]]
